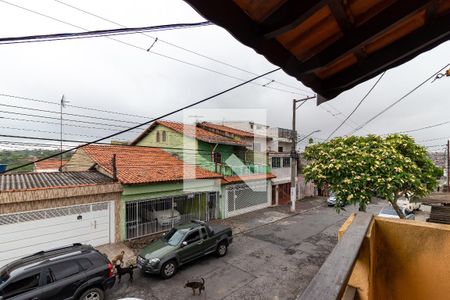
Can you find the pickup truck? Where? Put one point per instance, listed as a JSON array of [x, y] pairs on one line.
[[182, 244]]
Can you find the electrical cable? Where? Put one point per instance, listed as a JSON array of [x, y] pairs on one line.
[[66, 113], [400, 99], [178, 47], [64, 124], [65, 119], [71, 105], [153, 52], [357, 106], [155, 119]]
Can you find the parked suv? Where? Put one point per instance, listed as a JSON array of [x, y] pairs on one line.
[[73, 272]]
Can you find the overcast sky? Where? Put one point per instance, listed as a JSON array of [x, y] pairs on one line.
[[105, 74]]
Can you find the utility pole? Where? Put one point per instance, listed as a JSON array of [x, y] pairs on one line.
[[448, 166], [62, 104], [294, 154]]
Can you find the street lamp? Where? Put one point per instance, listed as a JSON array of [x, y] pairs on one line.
[[294, 154]]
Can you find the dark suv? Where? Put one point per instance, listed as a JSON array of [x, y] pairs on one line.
[[72, 272]]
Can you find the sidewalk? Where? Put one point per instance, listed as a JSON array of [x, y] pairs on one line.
[[238, 224], [268, 215]]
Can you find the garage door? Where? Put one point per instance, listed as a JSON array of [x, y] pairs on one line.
[[243, 198], [29, 232]]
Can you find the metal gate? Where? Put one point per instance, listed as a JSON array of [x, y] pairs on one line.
[[144, 217], [242, 198]]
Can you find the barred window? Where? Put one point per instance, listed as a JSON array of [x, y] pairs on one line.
[[276, 162], [158, 138], [164, 136], [286, 162]]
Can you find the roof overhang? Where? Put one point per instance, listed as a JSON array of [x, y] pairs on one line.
[[333, 45]]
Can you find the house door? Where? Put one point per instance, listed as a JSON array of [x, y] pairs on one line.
[[212, 206], [274, 195], [284, 193]]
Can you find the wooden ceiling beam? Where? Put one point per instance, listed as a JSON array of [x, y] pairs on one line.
[[286, 17], [423, 39], [379, 24]]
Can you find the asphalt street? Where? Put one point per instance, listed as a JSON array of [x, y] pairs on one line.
[[273, 261]]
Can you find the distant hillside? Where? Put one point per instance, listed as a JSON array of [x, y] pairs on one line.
[[14, 158]]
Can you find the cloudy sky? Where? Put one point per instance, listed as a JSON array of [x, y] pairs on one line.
[[111, 76]]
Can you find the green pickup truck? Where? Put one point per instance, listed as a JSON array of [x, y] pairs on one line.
[[183, 244]]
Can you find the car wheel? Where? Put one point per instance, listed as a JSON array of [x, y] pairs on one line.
[[93, 294], [168, 269], [222, 249]]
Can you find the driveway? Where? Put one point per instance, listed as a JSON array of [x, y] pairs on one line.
[[273, 261]]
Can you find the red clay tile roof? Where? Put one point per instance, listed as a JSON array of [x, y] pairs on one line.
[[48, 164], [137, 165], [231, 130], [191, 131], [253, 177]]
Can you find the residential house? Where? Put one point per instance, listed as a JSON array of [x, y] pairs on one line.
[[159, 190], [49, 165], [246, 181], [279, 146], [47, 210]]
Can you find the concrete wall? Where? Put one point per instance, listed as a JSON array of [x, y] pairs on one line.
[[402, 259]]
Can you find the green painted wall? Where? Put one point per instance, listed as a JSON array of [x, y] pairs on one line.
[[165, 189]]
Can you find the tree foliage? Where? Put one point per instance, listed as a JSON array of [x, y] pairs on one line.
[[359, 168]]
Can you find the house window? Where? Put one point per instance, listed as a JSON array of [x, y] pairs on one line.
[[216, 157], [158, 137], [251, 126], [164, 136], [280, 149], [276, 162], [286, 162]]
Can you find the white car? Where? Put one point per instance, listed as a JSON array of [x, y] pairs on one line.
[[389, 212], [163, 217], [406, 203]]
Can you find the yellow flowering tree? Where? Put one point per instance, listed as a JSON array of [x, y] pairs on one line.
[[359, 168]]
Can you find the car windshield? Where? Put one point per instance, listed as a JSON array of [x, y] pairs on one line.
[[175, 236]]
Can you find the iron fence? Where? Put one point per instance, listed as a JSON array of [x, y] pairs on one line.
[[144, 217]]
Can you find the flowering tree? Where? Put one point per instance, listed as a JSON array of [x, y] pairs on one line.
[[359, 168]]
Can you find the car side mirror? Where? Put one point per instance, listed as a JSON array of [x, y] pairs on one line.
[[183, 244]]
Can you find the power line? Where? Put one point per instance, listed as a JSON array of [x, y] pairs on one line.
[[65, 124], [44, 131], [426, 127], [71, 105], [400, 99], [357, 106], [153, 52], [174, 150], [95, 33], [66, 113], [178, 47], [155, 119], [54, 118], [435, 139]]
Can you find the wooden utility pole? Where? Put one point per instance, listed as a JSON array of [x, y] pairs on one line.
[[63, 103], [448, 166]]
